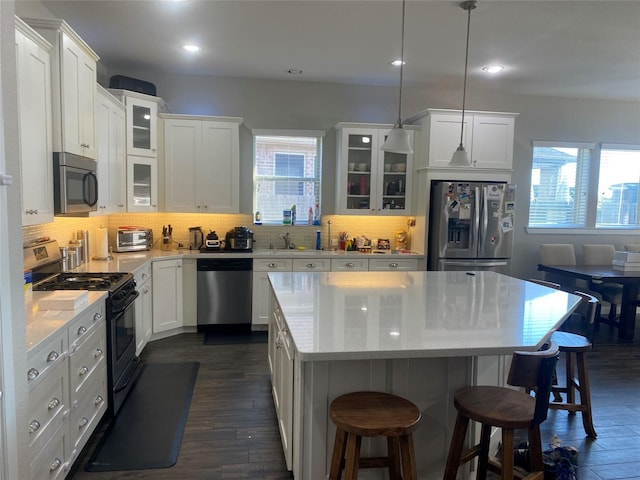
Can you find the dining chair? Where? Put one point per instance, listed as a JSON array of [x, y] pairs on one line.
[[559, 254], [603, 254]]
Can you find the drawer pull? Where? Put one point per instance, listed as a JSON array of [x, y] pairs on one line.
[[99, 352], [53, 403], [350, 265], [393, 265], [97, 317], [84, 421], [273, 265], [32, 373], [311, 265], [83, 370], [98, 400], [53, 356], [82, 330], [55, 465], [34, 426]]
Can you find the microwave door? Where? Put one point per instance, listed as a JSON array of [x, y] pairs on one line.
[[90, 189]]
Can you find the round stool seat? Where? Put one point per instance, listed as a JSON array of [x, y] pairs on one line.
[[497, 406], [570, 341], [374, 414]]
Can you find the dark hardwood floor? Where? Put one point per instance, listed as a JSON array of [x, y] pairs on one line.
[[232, 432]]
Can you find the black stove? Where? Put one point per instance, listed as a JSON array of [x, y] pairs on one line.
[[85, 281]]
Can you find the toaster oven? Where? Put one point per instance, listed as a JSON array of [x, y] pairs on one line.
[[132, 240]]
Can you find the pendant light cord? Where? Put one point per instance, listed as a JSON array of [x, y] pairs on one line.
[[399, 122], [468, 6]]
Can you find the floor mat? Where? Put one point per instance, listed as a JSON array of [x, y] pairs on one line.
[[147, 432], [219, 338]]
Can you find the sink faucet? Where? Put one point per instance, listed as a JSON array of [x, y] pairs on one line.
[[287, 240]]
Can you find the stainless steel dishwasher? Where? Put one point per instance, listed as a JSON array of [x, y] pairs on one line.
[[224, 291]]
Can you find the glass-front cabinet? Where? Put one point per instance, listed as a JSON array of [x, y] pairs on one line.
[[371, 181], [142, 122], [142, 184]]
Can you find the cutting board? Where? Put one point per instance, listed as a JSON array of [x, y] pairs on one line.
[[64, 300]]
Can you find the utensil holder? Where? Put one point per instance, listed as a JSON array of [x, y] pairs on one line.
[[166, 243]]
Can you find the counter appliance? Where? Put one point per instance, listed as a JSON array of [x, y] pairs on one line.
[[132, 239], [45, 260], [75, 184], [195, 238], [239, 238], [471, 226]]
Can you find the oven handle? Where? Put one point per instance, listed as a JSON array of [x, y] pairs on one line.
[[130, 299], [122, 387]]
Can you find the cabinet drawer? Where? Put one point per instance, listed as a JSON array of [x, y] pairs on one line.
[[88, 410], [89, 358], [393, 264], [353, 265], [84, 325], [46, 357], [48, 407], [272, 265], [51, 463], [142, 274], [311, 264]]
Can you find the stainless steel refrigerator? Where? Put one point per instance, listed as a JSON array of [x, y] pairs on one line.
[[471, 226]]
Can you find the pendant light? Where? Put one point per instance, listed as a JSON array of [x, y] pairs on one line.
[[460, 157], [398, 139]]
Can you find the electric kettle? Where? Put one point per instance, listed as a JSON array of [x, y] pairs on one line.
[[196, 238]]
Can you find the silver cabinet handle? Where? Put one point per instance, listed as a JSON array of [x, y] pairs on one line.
[[98, 353], [311, 265], [82, 330], [144, 275], [55, 465], [34, 426], [83, 371], [97, 317], [84, 421], [98, 400], [273, 265], [350, 265], [393, 265], [32, 373], [52, 357], [53, 403]]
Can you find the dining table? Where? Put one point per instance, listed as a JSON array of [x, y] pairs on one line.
[[602, 274]]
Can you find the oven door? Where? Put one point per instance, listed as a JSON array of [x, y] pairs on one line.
[[122, 352]]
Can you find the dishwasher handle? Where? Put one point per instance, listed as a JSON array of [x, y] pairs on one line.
[[225, 265]]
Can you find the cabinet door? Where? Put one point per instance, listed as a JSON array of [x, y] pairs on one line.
[[167, 295], [105, 154], [492, 142], [260, 300], [444, 137], [35, 130], [393, 180], [78, 82], [218, 163], [182, 148], [142, 184], [143, 307], [118, 163], [357, 161], [142, 127]]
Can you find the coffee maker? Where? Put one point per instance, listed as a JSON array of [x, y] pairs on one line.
[[195, 238]]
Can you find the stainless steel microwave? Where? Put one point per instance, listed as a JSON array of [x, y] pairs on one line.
[[75, 187]]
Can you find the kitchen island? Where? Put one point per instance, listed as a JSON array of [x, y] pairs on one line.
[[422, 335]]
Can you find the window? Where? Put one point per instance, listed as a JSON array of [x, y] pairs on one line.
[[287, 172], [565, 194]]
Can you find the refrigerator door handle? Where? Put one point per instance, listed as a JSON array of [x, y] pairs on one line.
[[475, 231]]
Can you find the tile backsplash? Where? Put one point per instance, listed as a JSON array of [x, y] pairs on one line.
[[63, 229]]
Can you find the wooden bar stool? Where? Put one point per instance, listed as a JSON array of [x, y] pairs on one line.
[[373, 414], [508, 409]]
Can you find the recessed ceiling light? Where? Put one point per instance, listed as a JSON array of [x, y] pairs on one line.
[[191, 48], [493, 68], [293, 71], [397, 63]]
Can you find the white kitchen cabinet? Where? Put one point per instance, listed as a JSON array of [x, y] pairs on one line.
[[369, 180], [143, 307], [260, 302], [167, 295], [311, 264], [73, 79], [349, 265], [142, 122], [393, 264], [112, 169], [35, 124], [142, 184], [190, 292], [488, 138], [202, 164]]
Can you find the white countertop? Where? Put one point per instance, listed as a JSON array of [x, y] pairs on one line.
[[380, 315], [43, 323]]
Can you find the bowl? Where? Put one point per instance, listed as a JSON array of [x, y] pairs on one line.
[[363, 167], [399, 167]]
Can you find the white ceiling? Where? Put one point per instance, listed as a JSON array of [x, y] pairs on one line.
[[570, 48]]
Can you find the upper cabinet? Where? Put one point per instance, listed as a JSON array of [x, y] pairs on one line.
[[202, 163], [34, 124], [142, 122], [487, 137], [112, 168], [371, 181], [73, 83]]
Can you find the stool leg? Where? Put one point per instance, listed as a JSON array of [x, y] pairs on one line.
[[393, 453], [337, 462], [585, 395], [535, 449], [408, 458], [571, 388], [507, 453], [352, 462], [455, 449], [483, 457]]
